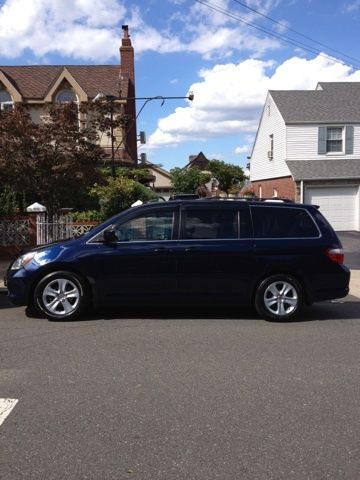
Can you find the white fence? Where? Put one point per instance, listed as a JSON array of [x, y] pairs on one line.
[[59, 228]]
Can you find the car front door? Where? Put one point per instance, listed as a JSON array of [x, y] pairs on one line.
[[139, 261]]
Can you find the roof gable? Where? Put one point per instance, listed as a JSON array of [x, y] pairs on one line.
[[34, 82], [10, 87]]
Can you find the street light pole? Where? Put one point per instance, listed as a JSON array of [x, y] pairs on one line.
[[113, 170], [111, 98]]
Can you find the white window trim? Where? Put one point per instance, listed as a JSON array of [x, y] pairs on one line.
[[66, 90], [3, 105], [342, 151]]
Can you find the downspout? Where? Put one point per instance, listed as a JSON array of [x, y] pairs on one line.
[[302, 191]]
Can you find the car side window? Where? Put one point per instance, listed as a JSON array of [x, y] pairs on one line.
[[152, 226], [209, 224], [282, 222]]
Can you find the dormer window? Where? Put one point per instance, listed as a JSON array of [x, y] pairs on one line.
[[6, 101], [66, 96]]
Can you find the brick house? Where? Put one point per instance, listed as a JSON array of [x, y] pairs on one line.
[[307, 148], [39, 85]]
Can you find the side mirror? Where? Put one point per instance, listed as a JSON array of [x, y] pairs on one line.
[[110, 237]]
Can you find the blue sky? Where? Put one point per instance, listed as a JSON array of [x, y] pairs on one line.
[[184, 45]]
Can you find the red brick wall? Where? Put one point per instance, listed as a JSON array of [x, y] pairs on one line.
[[128, 67], [285, 187]]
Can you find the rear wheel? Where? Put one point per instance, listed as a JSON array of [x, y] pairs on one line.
[[279, 297], [61, 296]]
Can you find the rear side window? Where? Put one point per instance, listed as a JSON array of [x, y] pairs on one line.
[[283, 222], [209, 224]]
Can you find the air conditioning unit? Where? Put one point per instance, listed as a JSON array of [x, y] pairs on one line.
[[270, 155]]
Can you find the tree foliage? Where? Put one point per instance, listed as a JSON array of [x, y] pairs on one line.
[[187, 180], [54, 162], [8, 203], [118, 194], [227, 174]]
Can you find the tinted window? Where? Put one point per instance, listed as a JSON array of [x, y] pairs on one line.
[[148, 227], [282, 223], [208, 224]]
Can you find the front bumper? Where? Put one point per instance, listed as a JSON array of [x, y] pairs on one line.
[[18, 285]]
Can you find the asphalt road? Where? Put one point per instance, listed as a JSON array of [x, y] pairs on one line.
[[191, 397], [351, 245]]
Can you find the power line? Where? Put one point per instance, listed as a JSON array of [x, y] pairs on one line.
[[283, 25], [279, 36]]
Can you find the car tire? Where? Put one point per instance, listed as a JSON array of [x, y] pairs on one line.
[[279, 298], [61, 296]]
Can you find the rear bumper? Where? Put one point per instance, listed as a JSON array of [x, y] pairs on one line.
[[336, 285]]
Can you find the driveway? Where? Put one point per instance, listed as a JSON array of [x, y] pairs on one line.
[[351, 244]]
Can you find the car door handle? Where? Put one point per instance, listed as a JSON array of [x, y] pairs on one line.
[[190, 249], [162, 250]]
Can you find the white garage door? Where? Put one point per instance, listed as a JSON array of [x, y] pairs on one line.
[[337, 204]]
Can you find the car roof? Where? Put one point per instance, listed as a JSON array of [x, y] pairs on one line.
[[211, 201]]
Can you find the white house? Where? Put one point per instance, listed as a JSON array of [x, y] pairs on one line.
[[307, 148]]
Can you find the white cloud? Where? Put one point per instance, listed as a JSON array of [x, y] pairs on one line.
[[79, 28], [352, 6], [90, 29], [243, 149], [229, 98]]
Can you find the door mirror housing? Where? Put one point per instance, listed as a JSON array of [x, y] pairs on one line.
[[110, 237]]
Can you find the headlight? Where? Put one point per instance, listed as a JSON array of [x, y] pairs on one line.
[[22, 261]]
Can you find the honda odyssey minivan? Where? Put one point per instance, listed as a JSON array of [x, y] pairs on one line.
[[276, 256]]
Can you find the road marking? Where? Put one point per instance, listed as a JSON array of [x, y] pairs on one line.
[[6, 405]]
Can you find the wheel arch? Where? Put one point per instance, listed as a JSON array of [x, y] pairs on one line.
[[60, 267], [283, 271]]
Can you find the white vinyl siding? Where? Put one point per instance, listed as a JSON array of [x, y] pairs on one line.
[[271, 123], [302, 144]]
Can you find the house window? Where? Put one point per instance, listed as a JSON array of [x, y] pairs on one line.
[[271, 151], [6, 101], [334, 139], [66, 96], [275, 192], [260, 191]]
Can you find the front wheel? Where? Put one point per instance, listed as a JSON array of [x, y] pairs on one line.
[[60, 296], [279, 297]]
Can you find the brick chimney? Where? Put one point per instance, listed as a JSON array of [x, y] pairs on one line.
[[127, 55], [128, 72]]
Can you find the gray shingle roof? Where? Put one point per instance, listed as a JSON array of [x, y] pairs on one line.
[[336, 102], [324, 169]]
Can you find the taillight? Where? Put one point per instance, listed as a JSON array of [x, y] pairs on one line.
[[336, 255]]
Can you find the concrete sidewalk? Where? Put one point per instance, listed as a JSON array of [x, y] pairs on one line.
[[354, 281]]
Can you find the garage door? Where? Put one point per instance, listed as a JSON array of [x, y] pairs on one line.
[[337, 204]]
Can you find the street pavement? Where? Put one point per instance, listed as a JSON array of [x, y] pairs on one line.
[[189, 395]]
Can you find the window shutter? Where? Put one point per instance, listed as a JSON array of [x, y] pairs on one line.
[[322, 140], [349, 139]]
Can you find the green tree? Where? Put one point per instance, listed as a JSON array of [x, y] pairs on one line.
[[118, 194], [8, 202], [54, 162], [187, 180], [227, 174]]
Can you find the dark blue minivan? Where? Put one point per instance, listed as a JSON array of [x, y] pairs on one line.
[[274, 255]]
